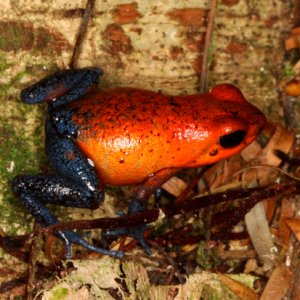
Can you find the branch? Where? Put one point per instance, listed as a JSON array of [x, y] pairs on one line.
[[253, 195]]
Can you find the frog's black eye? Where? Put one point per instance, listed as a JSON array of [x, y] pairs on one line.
[[232, 139]]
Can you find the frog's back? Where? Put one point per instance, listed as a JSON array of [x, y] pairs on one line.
[[130, 134]]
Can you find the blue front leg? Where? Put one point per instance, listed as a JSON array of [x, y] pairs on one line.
[[62, 87]]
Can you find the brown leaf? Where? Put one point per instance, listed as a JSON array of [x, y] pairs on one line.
[[239, 289], [278, 284], [281, 139], [283, 232], [174, 186], [294, 225]]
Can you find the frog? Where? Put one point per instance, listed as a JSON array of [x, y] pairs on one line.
[[126, 136]]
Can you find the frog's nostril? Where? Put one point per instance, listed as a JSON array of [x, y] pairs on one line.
[[232, 139]]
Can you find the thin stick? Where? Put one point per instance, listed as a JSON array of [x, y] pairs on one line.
[[32, 265], [170, 260], [296, 14], [82, 32], [195, 203], [203, 76]]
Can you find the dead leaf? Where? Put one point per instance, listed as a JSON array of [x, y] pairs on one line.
[[278, 284], [239, 289], [294, 225], [261, 238], [174, 186], [283, 231], [282, 139], [251, 151]]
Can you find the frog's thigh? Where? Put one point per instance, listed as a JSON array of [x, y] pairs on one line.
[[74, 168]]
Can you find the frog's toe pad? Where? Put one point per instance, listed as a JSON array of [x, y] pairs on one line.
[[136, 233], [69, 237]]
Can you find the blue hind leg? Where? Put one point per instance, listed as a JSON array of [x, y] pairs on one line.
[[75, 184], [45, 218]]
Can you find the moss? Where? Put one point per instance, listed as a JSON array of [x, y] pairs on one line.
[[16, 156], [212, 293], [21, 149], [59, 293], [206, 259], [4, 65], [288, 70]]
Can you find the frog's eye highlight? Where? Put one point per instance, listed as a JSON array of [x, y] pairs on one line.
[[232, 139]]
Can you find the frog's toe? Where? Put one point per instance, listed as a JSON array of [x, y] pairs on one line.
[[134, 232], [138, 234], [62, 236], [69, 237]]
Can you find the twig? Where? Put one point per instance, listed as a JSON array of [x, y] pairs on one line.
[[82, 32], [170, 261], [13, 244], [183, 195], [288, 107], [32, 265], [13, 288], [148, 216], [296, 13], [295, 162], [203, 76], [295, 266]]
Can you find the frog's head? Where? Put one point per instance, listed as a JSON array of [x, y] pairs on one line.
[[235, 121]]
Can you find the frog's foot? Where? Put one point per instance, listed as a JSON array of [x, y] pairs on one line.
[[69, 237], [136, 233], [22, 184]]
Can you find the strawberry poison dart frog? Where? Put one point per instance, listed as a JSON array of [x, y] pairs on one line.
[[126, 136]]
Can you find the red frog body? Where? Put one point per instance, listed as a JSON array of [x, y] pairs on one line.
[[131, 134]]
